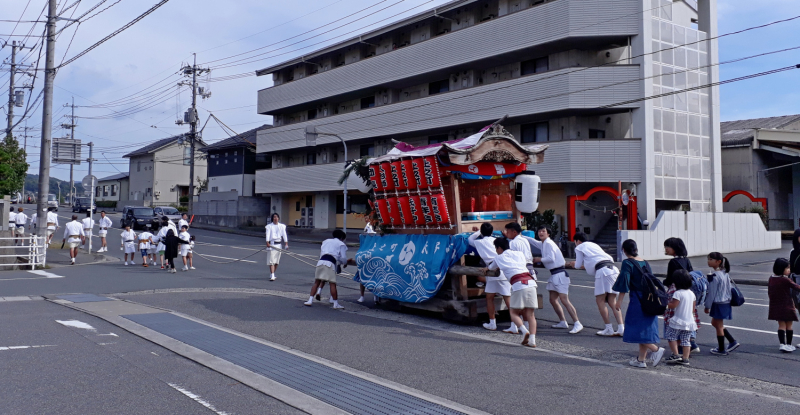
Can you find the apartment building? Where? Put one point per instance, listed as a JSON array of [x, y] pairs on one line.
[[569, 73]]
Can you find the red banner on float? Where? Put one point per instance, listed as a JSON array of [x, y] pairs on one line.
[[415, 205], [386, 176], [383, 211], [439, 209], [405, 210], [407, 175], [397, 178], [375, 177], [394, 212]]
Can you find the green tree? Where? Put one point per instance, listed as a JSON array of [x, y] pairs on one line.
[[13, 166]]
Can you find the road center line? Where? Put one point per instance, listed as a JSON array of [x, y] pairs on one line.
[[197, 399], [25, 347]]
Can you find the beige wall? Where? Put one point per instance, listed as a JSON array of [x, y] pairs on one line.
[[171, 172], [141, 170]]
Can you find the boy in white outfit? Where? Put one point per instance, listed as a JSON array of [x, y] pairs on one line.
[[104, 224], [88, 227], [128, 243], [275, 233], [185, 248], [20, 219], [513, 232], [523, 288], [333, 254], [74, 237], [145, 241], [600, 265], [483, 242]]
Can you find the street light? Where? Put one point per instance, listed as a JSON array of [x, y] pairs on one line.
[[311, 141]]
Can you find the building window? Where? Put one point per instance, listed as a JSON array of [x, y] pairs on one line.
[[597, 133], [187, 155], [534, 66], [311, 158], [311, 114], [105, 190], [214, 189], [113, 190], [138, 166], [367, 150], [367, 102], [148, 191], [438, 87], [436, 139], [97, 191], [535, 133]]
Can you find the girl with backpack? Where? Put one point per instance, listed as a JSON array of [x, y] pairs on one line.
[[781, 304], [640, 328], [718, 302], [675, 248]]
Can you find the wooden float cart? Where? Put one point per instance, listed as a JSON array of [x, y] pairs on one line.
[[472, 198]]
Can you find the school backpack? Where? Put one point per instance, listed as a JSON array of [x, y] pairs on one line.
[[653, 296], [699, 286]]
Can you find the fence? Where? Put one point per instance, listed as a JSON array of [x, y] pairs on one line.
[[36, 254]]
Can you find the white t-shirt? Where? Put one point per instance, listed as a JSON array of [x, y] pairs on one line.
[[144, 240], [182, 223], [276, 233], [486, 250], [52, 217], [12, 218], [551, 254], [588, 255], [88, 223], [683, 319], [105, 222], [73, 229], [21, 218], [511, 263], [335, 248], [521, 244]]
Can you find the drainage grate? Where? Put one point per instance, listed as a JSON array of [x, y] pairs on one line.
[[334, 387], [83, 298]]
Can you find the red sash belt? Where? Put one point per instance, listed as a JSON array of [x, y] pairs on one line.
[[523, 278]]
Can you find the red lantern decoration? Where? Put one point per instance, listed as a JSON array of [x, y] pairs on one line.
[[386, 177], [375, 177], [431, 172], [418, 171], [394, 212], [405, 210], [415, 206], [439, 209], [407, 174], [397, 178], [494, 203], [383, 211], [427, 211]]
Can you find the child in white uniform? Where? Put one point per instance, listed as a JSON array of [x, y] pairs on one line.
[[682, 323], [145, 241], [523, 288], [128, 243], [483, 242], [185, 248]]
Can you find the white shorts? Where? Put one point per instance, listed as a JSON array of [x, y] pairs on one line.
[[161, 247], [604, 279], [130, 248], [525, 298], [559, 283], [20, 230], [498, 285], [102, 233], [325, 273], [50, 232], [274, 257], [185, 250], [151, 251], [73, 243], [88, 235]]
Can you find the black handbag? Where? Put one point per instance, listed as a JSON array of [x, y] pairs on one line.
[[737, 298]]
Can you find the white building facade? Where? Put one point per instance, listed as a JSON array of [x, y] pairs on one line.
[[584, 76]]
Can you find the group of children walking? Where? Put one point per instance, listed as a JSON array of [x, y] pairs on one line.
[[165, 244]]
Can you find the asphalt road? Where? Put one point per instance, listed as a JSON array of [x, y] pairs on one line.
[[580, 373]]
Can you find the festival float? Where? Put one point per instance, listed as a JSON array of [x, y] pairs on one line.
[[428, 200]]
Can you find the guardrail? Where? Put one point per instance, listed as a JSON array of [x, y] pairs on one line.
[[36, 255]]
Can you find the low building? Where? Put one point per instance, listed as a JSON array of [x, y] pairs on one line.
[[761, 166], [159, 172], [112, 188]]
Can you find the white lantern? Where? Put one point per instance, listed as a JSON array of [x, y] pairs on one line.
[[527, 191]]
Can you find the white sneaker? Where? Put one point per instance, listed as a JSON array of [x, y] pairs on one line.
[[338, 307], [189, 267], [608, 331], [360, 299], [273, 278], [126, 262], [791, 347], [511, 331], [185, 268], [560, 325], [576, 328], [488, 326], [785, 349], [657, 355], [330, 300], [308, 303], [620, 332], [635, 362]]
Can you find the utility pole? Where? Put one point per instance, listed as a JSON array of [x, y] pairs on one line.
[[192, 119], [13, 101], [71, 126], [47, 119]]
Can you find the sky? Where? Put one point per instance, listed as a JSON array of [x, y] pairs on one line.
[[127, 89]]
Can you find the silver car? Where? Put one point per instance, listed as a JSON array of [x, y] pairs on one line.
[[169, 212], [52, 202]]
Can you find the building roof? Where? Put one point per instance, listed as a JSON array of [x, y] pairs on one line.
[[741, 132], [245, 139], [118, 176], [367, 35], [152, 147]]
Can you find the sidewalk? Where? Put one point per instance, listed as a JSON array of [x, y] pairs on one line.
[[57, 257]]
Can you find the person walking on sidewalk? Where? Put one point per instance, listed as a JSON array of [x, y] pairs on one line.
[[276, 233], [600, 265], [128, 243], [52, 224], [675, 248], [523, 289], [88, 227], [20, 219], [640, 328], [781, 304], [558, 286], [104, 224], [483, 242], [184, 221], [680, 322], [12, 222], [718, 302], [333, 254], [74, 237]]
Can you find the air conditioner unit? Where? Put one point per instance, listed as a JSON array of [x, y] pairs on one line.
[[310, 222], [310, 211]]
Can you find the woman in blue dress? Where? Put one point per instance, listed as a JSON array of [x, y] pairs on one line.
[[640, 328]]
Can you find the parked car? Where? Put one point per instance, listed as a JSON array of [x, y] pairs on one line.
[[82, 205], [169, 212], [52, 202], [139, 217]]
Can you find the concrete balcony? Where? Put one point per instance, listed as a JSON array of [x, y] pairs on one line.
[[310, 178], [594, 160], [561, 25], [562, 91]]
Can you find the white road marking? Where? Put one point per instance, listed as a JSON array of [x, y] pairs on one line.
[[197, 399], [75, 323], [25, 347], [760, 305], [46, 274], [109, 334], [232, 259], [227, 246]]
